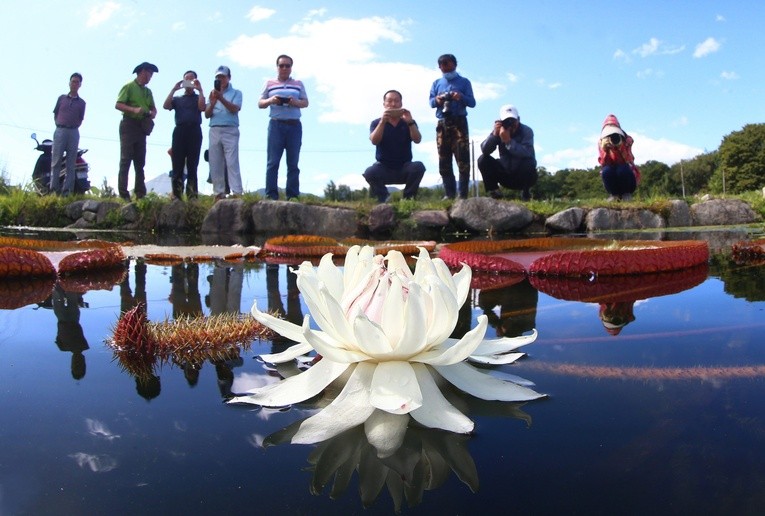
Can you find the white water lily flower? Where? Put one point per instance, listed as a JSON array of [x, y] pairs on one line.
[[387, 329]]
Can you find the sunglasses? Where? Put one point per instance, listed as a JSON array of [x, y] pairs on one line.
[[282, 65]]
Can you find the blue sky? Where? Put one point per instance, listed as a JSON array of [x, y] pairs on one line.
[[679, 75]]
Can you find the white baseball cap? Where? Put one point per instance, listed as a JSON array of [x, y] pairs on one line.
[[508, 111]]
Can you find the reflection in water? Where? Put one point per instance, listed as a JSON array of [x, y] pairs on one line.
[[517, 308], [616, 316], [616, 295], [69, 335], [184, 293], [129, 300], [395, 452], [225, 289]]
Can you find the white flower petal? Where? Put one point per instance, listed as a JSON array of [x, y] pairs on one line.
[[370, 338], [329, 348], [295, 388], [281, 326], [350, 408], [386, 431], [445, 310], [393, 312], [501, 359], [394, 388], [291, 353], [415, 327], [331, 276], [484, 386], [462, 284], [436, 411], [505, 344], [452, 354]]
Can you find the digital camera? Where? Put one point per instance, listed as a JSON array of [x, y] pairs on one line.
[[615, 139], [508, 123], [216, 84], [448, 108]]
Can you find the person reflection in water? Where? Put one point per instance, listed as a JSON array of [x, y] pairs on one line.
[[129, 300], [187, 302], [615, 316], [184, 291], [225, 297], [517, 308], [225, 289], [294, 312], [70, 337]]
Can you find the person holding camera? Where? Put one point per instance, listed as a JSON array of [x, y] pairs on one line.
[[516, 167], [136, 103], [451, 95], [187, 135], [222, 110], [618, 171], [393, 134], [285, 97]]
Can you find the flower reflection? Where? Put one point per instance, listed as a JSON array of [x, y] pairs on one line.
[[415, 460], [384, 333]]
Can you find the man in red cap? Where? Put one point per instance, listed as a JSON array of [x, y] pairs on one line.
[[136, 103], [618, 171]]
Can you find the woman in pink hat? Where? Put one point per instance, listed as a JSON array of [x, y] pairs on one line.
[[618, 171]]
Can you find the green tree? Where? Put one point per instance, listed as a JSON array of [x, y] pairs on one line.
[[694, 173], [742, 160], [654, 178], [330, 191]]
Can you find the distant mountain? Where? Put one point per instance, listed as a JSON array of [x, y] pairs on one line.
[[160, 185]]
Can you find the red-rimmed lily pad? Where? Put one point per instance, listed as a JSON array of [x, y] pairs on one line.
[[576, 256]]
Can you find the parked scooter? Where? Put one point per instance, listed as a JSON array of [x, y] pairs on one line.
[[42, 171]]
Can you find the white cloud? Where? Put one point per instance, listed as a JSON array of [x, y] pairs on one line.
[[729, 76], [512, 78], [178, 26], [649, 72], [706, 47], [720, 18], [101, 13], [655, 46], [680, 122], [621, 55], [258, 13]]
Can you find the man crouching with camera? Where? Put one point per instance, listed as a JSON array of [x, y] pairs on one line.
[[618, 171], [516, 167]]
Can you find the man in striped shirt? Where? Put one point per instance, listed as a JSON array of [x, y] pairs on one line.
[[285, 97]]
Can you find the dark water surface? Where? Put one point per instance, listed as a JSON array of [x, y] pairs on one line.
[[663, 415]]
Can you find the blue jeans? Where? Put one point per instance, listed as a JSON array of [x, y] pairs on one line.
[[618, 179], [283, 135]]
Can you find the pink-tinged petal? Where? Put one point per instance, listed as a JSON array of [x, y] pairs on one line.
[[506, 358], [350, 408], [394, 388], [448, 354], [386, 431], [281, 326], [370, 338], [504, 345], [436, 411], [393, 312], [289, 354], [296, 388], [329, 348], [484, 386]]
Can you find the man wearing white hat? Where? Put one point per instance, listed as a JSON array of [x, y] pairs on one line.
[[516, 167], [618, 171]]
